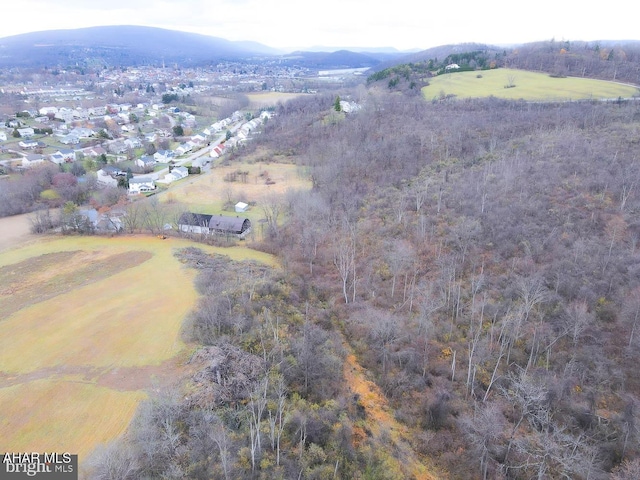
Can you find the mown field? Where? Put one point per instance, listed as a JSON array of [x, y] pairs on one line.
[[89, 324], [526, 85]]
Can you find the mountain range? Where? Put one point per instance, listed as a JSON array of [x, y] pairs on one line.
[[130, 45]]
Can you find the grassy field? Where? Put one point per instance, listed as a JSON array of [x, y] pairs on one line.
[[89, 324], [209, 193], [530, 86]]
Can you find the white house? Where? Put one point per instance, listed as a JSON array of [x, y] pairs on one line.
[[26, 132], [67, 154], [139, 185], [28, 143], [56, 158], [241, 207], [3, 136], [33, 160], [146, 162], [176, 173]]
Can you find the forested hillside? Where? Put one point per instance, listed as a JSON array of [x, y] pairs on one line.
[[478, 261], [486, 255]]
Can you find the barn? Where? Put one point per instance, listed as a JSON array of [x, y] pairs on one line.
[[214, 224]]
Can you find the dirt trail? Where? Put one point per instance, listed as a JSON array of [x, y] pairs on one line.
[[380, 419]]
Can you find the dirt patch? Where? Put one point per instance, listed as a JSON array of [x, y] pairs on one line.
[[48, 275], [379, 419], [15, 230]]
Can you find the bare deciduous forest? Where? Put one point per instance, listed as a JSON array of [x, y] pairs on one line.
[[479, 258]]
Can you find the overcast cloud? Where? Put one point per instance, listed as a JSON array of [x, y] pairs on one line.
[[403, 24]]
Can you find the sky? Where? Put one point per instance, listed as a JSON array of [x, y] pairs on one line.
[[293, 24]]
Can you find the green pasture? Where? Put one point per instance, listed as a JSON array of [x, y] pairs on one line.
[[530, 86]]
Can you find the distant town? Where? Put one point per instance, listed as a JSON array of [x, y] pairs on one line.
[[125, 123]]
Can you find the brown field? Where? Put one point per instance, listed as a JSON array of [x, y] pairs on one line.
[[89, 325], [270, 99]]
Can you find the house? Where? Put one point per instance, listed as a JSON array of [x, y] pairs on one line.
[[81, 132], [26, 132], [68, 154], [70, 139], [163, 156], [214, 224], [48, 111], [56, 158], [97, 111], [94, 151], [452, 66], [113, 171], [176, 173], [64, 114], [28, 144], [117, 147], [32, 160], [146, 161], [217, 151], [3, 136], [139, 185], [199, 138], [241, 207], [133, 142], [184, 148]]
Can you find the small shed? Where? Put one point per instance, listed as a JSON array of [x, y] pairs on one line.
[[241, 207]]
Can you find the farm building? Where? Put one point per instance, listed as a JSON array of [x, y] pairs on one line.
[[204, 224]]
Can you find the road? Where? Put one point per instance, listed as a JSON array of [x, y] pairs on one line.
[[199, 153]]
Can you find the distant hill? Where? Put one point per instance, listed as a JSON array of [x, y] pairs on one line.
[[604, 59], [121, 45], [339, 59], [440, 54]]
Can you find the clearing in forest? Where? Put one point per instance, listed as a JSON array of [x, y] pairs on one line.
[[522, 84], [253, 182]]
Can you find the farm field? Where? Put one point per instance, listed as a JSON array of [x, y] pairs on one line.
[[89, 325], [530, 86]]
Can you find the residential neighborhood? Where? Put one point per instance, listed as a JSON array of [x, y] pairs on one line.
[[147, 150]]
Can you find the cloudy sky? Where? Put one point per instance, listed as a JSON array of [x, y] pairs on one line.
[[403, 24]]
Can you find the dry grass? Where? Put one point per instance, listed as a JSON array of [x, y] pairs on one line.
[[63, 414], [97, 319], [210, 192], [270, 99]]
